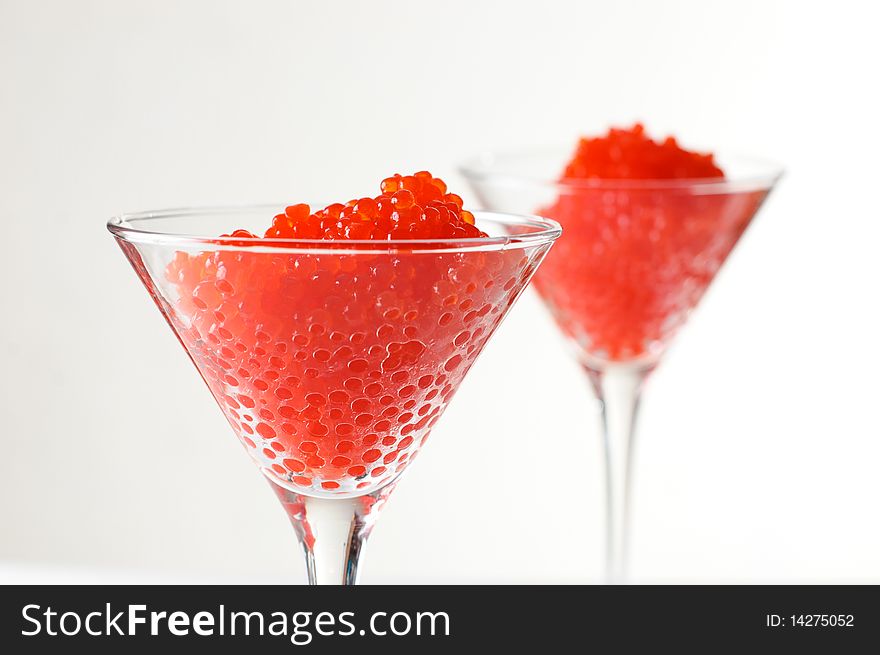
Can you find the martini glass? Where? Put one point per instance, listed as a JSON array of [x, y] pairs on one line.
[[331, 360], [636, 258]]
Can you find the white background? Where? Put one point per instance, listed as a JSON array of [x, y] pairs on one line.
[[757, 458]]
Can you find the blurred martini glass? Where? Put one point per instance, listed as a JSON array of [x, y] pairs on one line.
[[331, 360], [636, 257]]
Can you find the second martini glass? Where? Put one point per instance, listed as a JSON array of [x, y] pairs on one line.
[[636, 258], [331, 360]]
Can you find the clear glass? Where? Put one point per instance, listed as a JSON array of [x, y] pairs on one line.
[[331, 360], [636, 258]]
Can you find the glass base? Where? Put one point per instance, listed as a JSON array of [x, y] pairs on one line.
[[618, 387], [332, 532]]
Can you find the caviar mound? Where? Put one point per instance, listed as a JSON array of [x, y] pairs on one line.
[[408, 207], [332, 368], [630, 154], [633, 261]]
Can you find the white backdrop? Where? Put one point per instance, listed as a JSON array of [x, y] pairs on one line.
[[759, 442]]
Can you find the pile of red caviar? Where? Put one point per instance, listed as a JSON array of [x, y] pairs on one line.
[[409, 207], [630, 154], [637, 253], [333, 367]]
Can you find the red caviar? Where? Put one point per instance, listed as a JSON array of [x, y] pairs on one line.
[[332, 367], [632, 155], [637, 253], [409, 207]]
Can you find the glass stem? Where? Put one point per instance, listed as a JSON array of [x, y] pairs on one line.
[[332, 531], [618, 388]]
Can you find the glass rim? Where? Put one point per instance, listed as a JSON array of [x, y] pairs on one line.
[[125, 228], [485, 167]]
